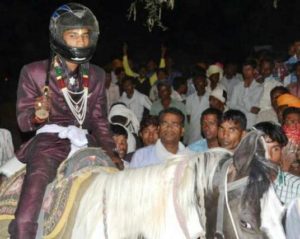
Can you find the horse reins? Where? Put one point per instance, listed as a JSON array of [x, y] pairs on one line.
[[223, 198]]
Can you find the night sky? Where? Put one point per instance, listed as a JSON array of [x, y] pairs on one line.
[[215, 30]]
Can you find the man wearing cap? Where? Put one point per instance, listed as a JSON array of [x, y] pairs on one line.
[[284, 101], [218, 99], [215, 74], [270, 114]]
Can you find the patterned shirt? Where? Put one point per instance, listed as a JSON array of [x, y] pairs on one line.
[[287, 187]]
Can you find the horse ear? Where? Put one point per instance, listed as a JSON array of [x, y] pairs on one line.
[[245, 151]]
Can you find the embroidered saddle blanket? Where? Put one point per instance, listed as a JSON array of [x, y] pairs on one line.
[[62, 195]]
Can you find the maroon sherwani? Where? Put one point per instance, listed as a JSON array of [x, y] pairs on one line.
[[46, 151]]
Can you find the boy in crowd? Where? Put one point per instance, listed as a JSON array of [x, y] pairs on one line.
[[232, 129], [210, 121]]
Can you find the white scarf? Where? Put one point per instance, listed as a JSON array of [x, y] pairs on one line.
[[163, 154], [132, 124], [76, 135]]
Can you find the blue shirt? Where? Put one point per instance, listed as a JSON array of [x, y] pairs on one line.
[[199, 146]]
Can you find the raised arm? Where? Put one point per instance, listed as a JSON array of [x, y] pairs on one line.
[[128, 70]]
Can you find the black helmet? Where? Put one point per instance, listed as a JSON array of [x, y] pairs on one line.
[[73, 16]]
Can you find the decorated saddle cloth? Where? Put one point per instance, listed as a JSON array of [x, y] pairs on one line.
[[63, 194]]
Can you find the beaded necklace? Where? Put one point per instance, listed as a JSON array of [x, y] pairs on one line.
[[79, 107]]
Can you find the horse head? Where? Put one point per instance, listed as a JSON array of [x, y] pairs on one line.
[[246, 204]]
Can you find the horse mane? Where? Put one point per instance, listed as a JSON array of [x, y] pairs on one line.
[[152, 188], [260, 171]]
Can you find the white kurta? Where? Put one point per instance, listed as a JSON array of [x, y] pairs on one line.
[[155, 154], [268, 85], [137, 103], [229, 85], [195, 105], [244, 98]]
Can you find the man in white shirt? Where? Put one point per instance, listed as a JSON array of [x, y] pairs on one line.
[[268, 82], [195, 105], [171, 129], [230, 79], [246, 95], [270, 113], [133, 99]]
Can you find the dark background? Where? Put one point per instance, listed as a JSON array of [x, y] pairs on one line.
[[217, 30]]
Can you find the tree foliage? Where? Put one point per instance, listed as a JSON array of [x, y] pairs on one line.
[[154, 11]]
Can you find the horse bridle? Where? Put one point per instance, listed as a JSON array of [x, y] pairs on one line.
[[223, 198]]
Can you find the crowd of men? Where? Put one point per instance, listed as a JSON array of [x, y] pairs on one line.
[[213, 106], [150, 113]]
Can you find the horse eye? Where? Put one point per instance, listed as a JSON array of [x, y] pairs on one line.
[[245, 225]]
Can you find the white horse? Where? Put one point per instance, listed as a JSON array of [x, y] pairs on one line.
[[168, 200], [183, 198]]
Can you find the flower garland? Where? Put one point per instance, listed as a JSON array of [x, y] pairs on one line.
[[78, 108]]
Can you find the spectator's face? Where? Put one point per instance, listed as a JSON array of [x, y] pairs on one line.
[[200, 84], [266, 69], [128, 87], [149, 135], [216, 103], [170, 129], [164, 92], [161, 75], [274, 150], [142, 72], [248, 72], [230, 71], [184, 88], [214, 79], [292, 119], [121, 145], [230, 135], [151, 65], [77, 37], [209, 126]]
